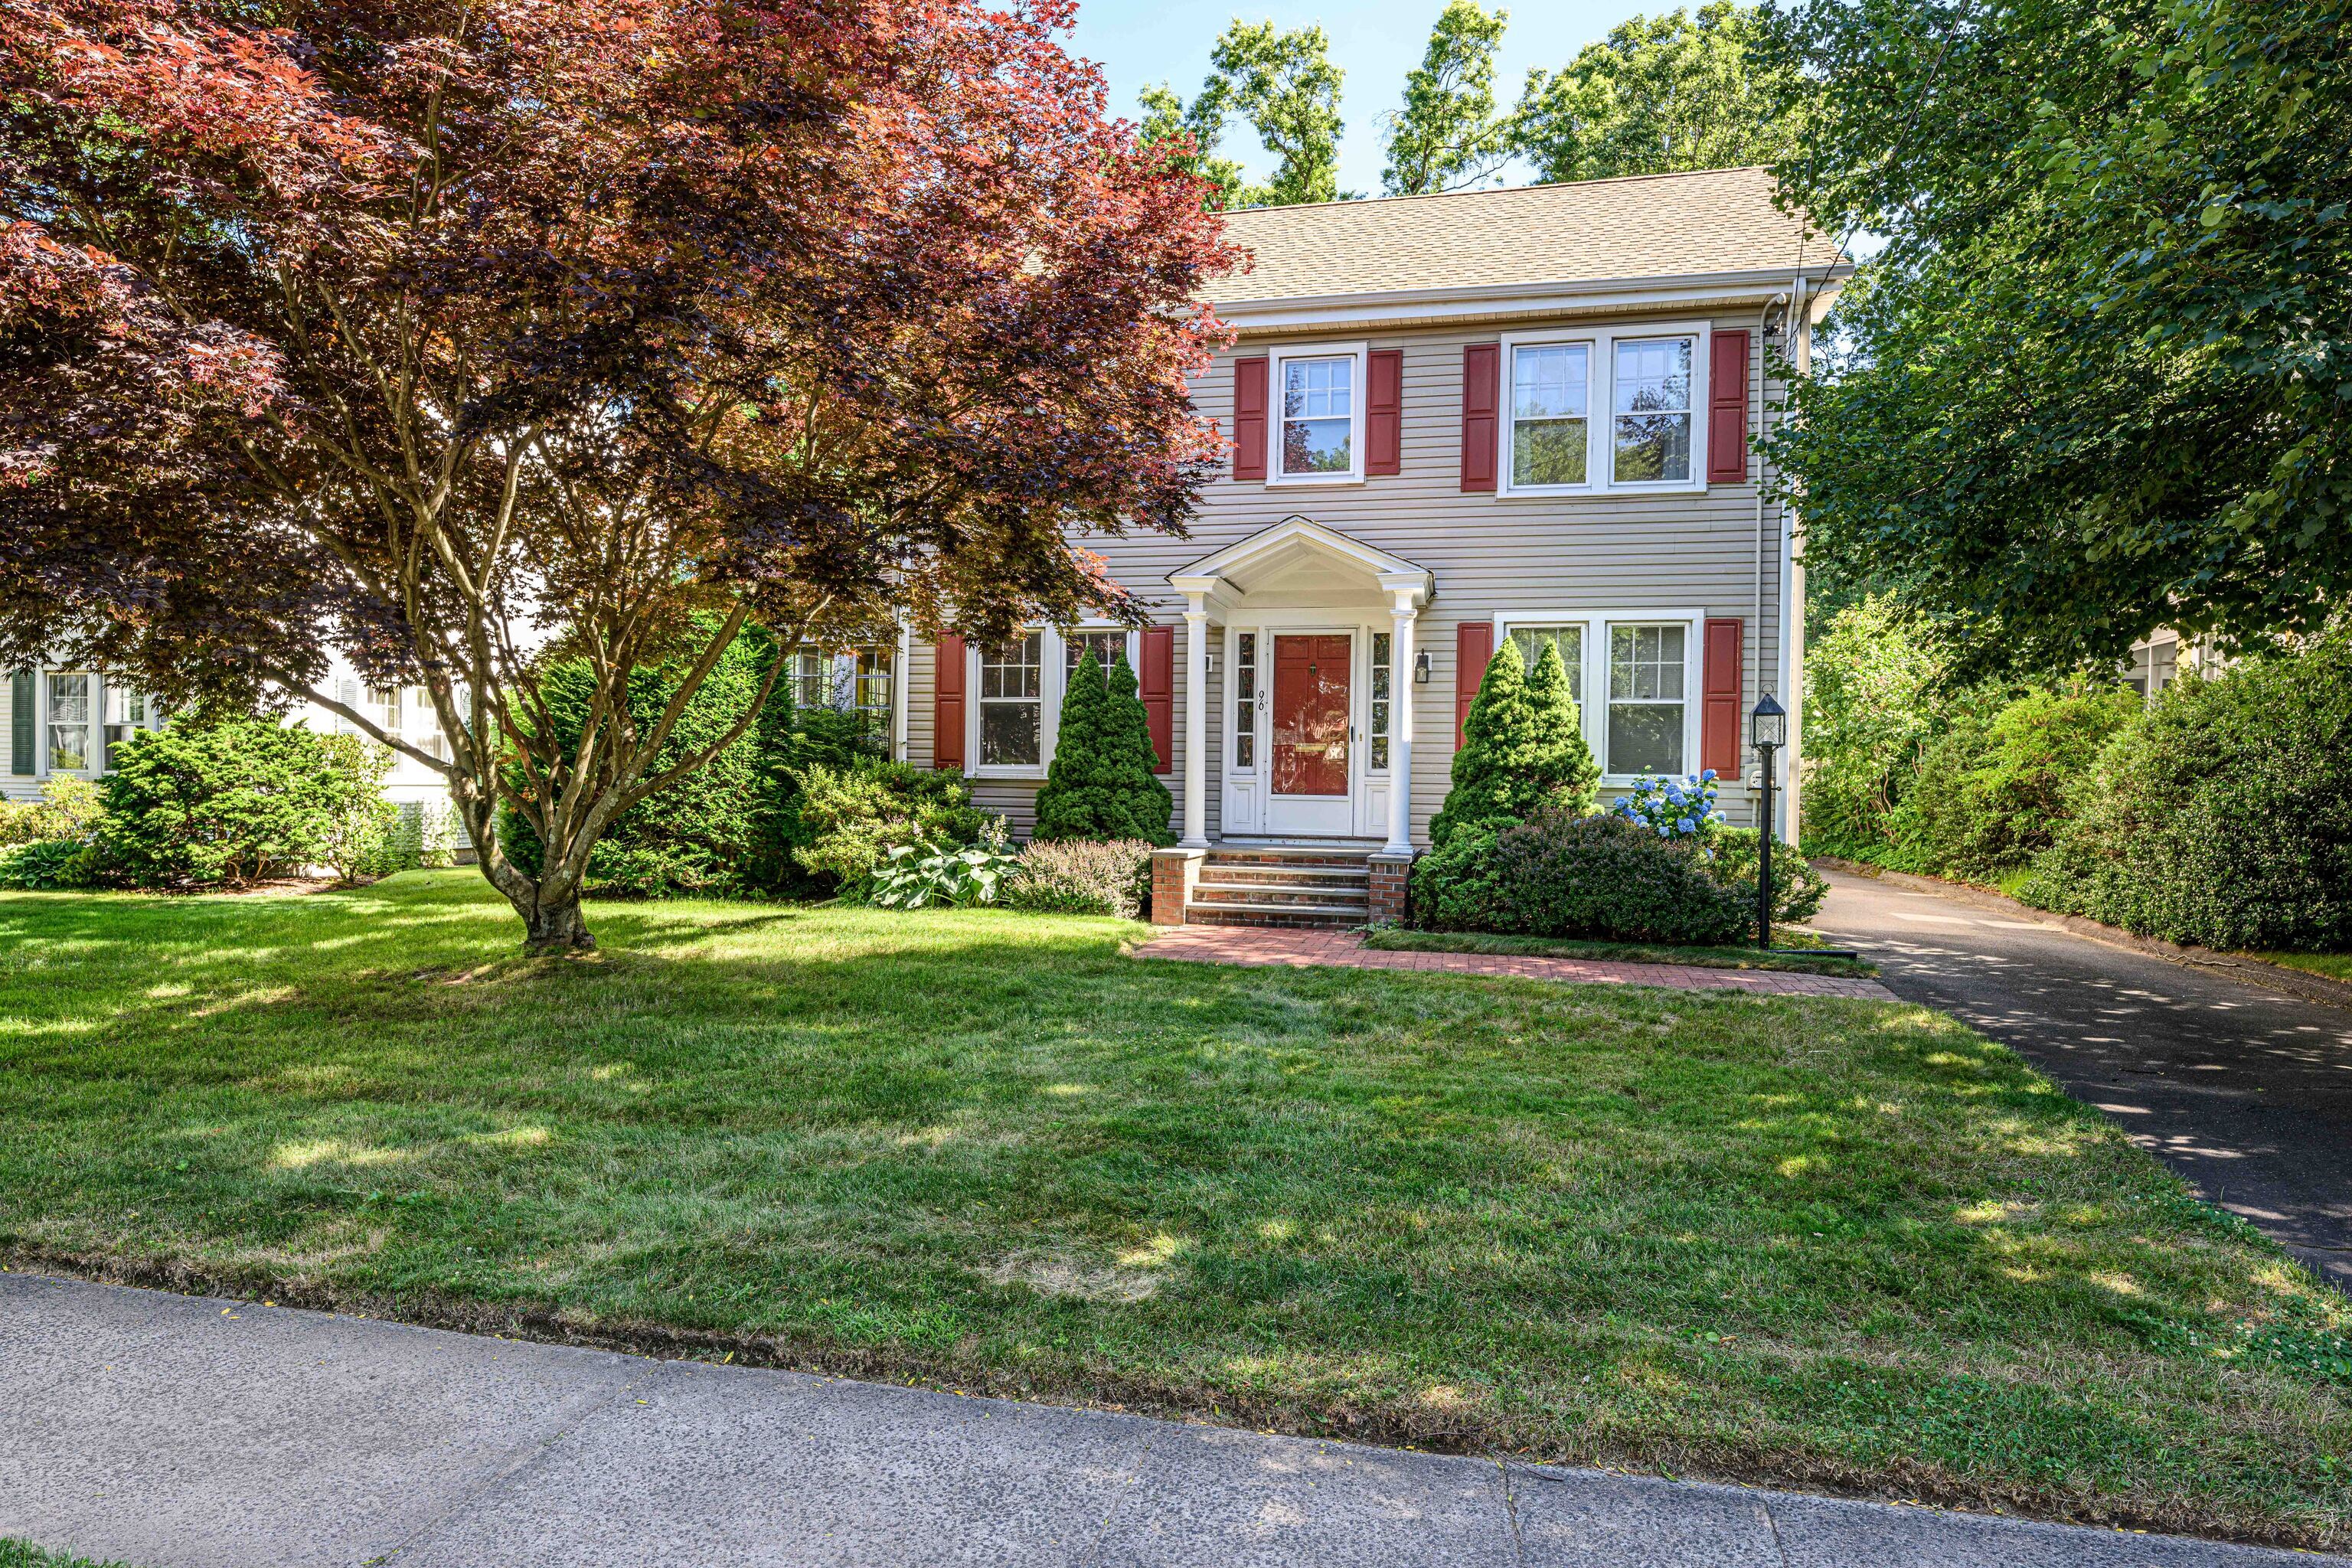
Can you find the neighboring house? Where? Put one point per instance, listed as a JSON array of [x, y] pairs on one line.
[[69, 721], [2164, 656], [1517, 416]]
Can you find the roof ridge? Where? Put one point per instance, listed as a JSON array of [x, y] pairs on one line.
[[1496, 190]]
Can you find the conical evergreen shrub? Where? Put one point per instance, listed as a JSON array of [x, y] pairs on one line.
[[1566, 761], [1100, 783], [1522, 747]]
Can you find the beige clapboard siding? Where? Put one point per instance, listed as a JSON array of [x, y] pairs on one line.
[[1488, 556]]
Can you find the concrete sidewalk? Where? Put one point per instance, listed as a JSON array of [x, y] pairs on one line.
[[173, 1432]]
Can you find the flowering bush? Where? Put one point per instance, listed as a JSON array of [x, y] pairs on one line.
[[1672, 808], [1082, 877]]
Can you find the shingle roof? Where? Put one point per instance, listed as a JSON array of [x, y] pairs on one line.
[[1646, 226]]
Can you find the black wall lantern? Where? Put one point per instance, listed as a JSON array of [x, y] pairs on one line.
[[1768, 730], [1421, 668]]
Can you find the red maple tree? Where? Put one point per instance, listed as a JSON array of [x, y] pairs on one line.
[[456, 335]]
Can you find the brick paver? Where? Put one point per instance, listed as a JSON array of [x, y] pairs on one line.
[[1346, 949]]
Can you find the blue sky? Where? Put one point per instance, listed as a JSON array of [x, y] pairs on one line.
[[1376, 42]]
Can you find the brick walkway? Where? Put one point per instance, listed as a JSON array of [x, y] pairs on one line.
[[1343, 949]]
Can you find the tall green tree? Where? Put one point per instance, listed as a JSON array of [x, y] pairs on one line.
[[1286, 85], [1190, 133], [1449, 134], [1664, 94], [2099, 378]]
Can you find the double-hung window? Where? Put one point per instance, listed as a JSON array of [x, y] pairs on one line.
[[1569, 638], [1646, 687], [811, 677], [1318, 409], [1650, 434], [1550, 414], [1109, 648], [1012, 702], [1602, 410], [70, 696]]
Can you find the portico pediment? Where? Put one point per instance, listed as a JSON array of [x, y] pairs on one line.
[[1299, 561]]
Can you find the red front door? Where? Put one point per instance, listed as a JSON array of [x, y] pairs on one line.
[[1311, 714]]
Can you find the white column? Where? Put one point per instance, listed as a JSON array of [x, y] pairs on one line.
[[1196, 725], [1399, 731]]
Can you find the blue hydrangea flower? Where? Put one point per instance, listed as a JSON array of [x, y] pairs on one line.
[[1687, 825]]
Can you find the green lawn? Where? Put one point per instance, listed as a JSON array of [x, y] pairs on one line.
[[1806, 1240], [2334, 965], [25, 1555], [1782, 956]]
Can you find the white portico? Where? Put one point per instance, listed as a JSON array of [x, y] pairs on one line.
[[1315, 635]]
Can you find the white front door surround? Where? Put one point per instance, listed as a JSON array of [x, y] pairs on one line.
[[1299, 579]]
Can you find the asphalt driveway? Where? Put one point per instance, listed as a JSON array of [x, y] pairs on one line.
[[2246, 1091]]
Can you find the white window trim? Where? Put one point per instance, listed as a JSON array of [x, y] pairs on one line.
[[1052, 687], [1592, 703], [1359, 353], [1601, 405]]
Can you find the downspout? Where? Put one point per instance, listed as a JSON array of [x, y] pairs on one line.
[[1800, 319], [1763, 414]]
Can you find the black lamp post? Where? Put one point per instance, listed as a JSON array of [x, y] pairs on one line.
[[1768, 727]]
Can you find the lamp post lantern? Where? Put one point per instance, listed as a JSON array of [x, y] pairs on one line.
[[1768, 727]]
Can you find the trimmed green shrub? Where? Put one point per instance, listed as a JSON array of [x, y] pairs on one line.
[[1100, 783], [855, 815], [1082, 877], [212, 801], [2222, 816], [1796, 888], [1521, 749], [704, 833], [48, 864], [1558, 874]]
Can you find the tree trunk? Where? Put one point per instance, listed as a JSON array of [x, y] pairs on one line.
[[556, 926]]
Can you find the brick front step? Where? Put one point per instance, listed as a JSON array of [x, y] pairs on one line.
[[1285, 879], [1322, 916], [1228, 895]]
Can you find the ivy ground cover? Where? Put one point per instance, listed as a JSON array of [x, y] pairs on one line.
[[1786, 1239]]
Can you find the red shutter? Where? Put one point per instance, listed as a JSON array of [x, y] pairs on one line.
[[947, 703], [1719, 725], [1482, 365], [1249, 418], [1384, 412], [1726, 409], [1474, 650], [1156, 684]]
